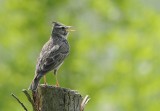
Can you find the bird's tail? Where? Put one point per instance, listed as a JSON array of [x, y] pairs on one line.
[[35, 83]]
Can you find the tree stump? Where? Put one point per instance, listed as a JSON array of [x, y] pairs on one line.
[[50, 98]]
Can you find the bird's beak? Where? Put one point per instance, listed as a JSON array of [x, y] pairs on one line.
[[68, 28]]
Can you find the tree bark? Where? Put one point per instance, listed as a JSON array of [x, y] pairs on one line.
[[50, 98]]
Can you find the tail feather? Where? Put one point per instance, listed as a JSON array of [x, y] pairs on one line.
[[34, 83]]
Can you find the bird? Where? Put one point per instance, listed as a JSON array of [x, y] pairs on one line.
[[52, 55]]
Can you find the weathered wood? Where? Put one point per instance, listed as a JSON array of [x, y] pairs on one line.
[[50, 98], [29, 99]]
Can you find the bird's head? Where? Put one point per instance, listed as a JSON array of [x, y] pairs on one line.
[[61, 29]]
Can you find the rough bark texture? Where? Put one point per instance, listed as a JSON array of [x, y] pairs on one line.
[[50, 98]]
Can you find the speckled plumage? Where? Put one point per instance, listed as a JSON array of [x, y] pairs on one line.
[[52, 54]]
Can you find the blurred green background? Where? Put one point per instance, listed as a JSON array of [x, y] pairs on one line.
[[114, 54]]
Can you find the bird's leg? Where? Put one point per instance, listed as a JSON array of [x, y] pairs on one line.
[[57, 83], [45, 83]]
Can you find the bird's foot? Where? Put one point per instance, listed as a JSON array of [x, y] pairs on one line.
[[57, 84], [45, 84]]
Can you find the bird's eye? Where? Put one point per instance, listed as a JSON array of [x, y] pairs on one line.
[[63, 27]]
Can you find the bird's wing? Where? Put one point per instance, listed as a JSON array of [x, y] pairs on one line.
[[52, 59]]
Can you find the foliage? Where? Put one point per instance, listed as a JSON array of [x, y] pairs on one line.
[[114, 52]]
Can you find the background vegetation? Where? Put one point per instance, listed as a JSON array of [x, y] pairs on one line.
[[114, 52]]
